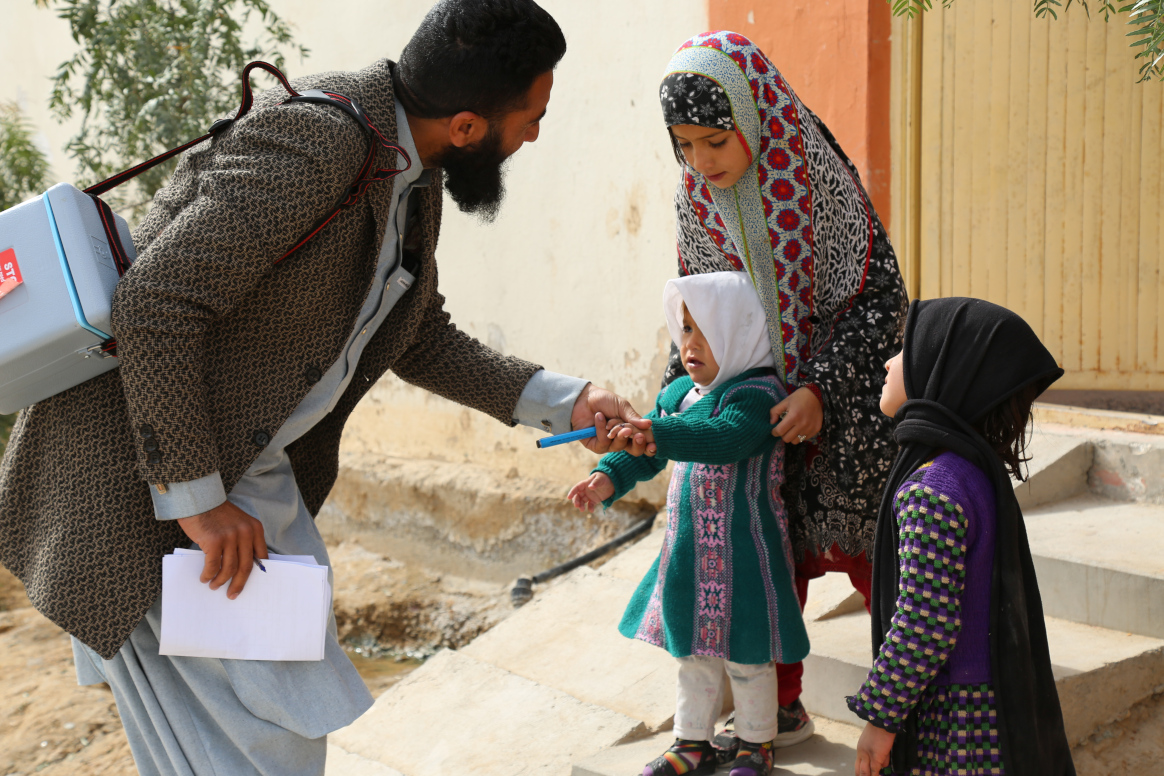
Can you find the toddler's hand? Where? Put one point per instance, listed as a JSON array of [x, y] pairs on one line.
[[591, 492], [635, 437]]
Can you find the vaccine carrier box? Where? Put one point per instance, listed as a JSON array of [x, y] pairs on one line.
[[57, 276]]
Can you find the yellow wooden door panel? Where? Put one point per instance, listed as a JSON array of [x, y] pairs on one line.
[[1036, 180]]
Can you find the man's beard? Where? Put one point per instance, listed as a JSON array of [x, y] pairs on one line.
[[474, 177]]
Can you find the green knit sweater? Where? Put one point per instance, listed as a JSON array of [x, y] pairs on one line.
[[711, 431]]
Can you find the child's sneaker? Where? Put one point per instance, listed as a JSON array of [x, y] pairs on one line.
[[795, 725], [684, 758], [753, 759]]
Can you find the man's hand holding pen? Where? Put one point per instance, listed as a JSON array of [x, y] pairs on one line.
[[596, 407]]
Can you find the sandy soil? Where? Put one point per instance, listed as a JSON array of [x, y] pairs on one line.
[[390, 616]]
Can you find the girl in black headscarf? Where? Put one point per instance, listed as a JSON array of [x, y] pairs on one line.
[[961, 681]]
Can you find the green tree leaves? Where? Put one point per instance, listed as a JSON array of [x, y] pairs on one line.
[[1148, 19], [23, 167], [6, 422], [150, 75]]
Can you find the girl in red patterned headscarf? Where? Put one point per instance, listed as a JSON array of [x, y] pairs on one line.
[[765, 189]]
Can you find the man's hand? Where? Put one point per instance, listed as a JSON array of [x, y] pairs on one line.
[[798, 417], [231, 539], [589, 494], [873, 750], [592, 408]]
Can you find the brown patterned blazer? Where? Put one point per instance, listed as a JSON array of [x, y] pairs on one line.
[[217, 348]]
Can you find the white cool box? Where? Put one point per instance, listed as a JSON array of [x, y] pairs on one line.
[[57, 276]]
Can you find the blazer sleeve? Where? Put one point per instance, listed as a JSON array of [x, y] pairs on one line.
[[448, 362], [250, 207]]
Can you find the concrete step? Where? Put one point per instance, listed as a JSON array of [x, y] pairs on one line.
[[1099, 672], [831, 750], [1119, 465], [1101, 562], [567, 638], [456, 715], [1058, 467], [461, 518]]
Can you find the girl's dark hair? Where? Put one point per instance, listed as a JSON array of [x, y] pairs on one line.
[[477, 55], [1005, 428], [675, 149]]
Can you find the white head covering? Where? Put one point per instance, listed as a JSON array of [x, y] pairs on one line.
[[728, 311]]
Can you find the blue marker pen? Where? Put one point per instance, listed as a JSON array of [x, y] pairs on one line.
[[569, 436]]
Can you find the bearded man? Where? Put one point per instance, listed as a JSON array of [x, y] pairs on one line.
[[237, 374]]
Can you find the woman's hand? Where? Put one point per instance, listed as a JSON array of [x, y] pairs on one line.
[[798, 417], [873, 750], [589, 494]]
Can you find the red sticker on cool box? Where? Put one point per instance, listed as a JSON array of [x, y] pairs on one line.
[[9, 272]]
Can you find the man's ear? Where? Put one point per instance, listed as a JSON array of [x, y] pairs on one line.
[[466, 128]]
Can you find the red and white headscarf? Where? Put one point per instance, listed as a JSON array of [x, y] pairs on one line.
[[767, 224]]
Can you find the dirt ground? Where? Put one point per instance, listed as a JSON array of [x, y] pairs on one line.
[[390, 617]]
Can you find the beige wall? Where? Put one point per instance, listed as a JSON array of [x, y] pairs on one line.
[[570, 275], [34, 43]]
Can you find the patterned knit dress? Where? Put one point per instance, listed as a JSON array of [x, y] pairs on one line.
[[936, 656], [722, 584]]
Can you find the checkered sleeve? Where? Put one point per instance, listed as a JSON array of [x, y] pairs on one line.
[[932, 557]]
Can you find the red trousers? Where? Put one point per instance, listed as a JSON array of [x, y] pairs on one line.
[[789, 675]]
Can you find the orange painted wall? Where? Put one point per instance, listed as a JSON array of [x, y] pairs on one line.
[[836, 56]]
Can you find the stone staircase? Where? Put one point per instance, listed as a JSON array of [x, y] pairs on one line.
[[555, 690]]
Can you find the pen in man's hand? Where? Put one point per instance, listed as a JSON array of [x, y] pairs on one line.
[[259, 563]]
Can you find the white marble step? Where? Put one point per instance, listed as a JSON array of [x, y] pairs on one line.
[[343, 763], [567, 638]]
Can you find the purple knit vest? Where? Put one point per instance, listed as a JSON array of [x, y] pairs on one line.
[[965, 484]]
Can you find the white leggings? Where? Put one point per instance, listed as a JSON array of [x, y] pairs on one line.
[[701, 698]]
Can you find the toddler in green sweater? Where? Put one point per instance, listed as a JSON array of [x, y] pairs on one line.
[[720, 594]]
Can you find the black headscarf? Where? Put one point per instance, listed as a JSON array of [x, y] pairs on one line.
[[962, 358], [690, 98]]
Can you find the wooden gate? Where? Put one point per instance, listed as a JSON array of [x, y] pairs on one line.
[[1027, 169]]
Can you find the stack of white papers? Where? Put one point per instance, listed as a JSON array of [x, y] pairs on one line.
[[281, 614]]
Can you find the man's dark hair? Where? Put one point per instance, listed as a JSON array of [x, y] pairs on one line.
[[477, 55]]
